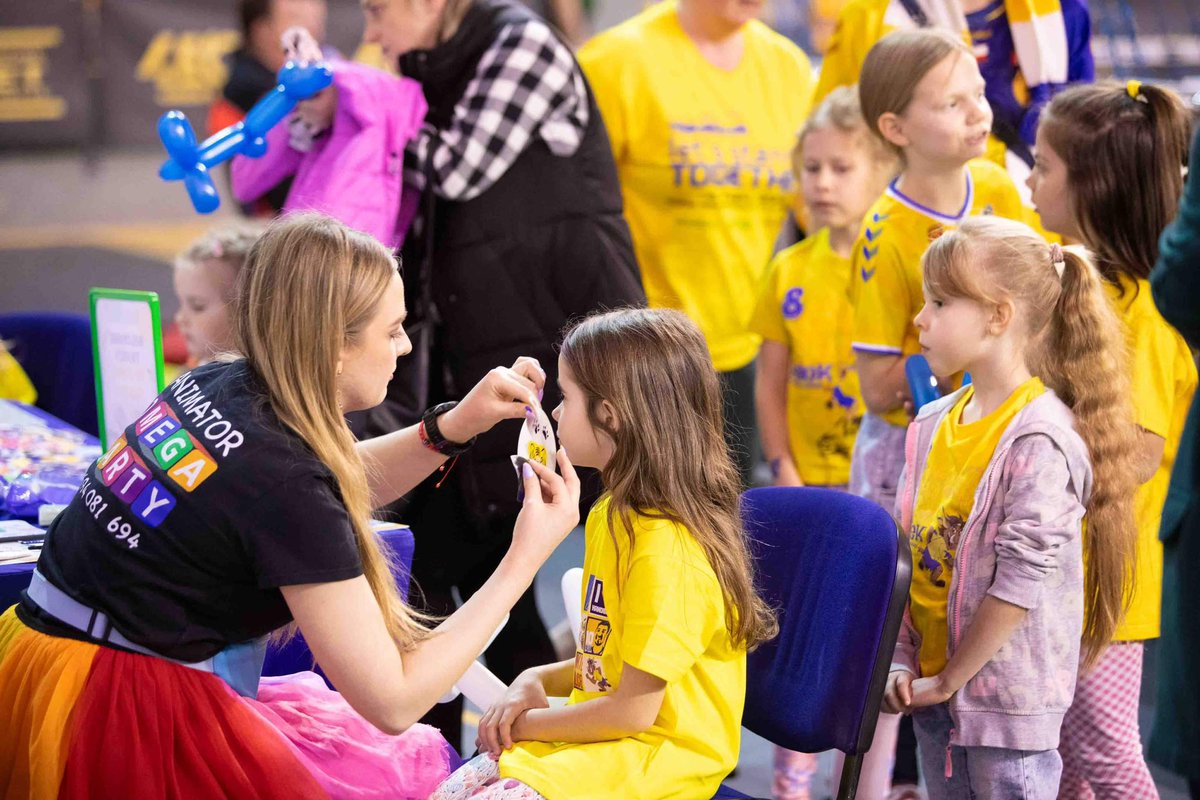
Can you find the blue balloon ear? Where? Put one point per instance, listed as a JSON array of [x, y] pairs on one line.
[[178, 138], [302, 81], [201, 190]]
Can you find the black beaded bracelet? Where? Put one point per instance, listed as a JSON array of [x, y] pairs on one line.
[[431, 435]]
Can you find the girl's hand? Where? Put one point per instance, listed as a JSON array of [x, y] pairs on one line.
[[318, 110], [504, 393], [788, 474], [550, 510], [495, 727], [898, 693], [929, 692]]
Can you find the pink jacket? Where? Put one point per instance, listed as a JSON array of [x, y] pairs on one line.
[[1021, 543], [355, 172]]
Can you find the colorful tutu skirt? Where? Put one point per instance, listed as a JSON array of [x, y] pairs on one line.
[[82, 720]]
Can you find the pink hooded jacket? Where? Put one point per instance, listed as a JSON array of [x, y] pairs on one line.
[[1022, 543], [355, 172]]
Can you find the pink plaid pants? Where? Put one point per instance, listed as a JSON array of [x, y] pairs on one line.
[[1100, 746]]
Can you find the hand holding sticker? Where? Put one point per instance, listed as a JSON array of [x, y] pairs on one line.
[[536, 443]]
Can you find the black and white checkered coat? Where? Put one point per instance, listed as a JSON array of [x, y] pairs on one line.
[[526, 85]]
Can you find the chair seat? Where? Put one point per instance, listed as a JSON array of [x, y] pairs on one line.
[[728, 793]]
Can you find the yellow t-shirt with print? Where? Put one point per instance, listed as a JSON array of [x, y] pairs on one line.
[[805, 305], [653, 601], [887, 260], [1164, 379], [703, 155], [958, 457]]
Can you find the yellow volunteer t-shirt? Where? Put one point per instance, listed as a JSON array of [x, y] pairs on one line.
[[1164, 380], [887, 260], [657, 606], [805, 305], [703, 155], [958, 457]]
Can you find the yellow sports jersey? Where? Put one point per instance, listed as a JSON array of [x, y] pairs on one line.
[[958, 457], [862, 23], [805, 305], [703, 155], [1164, 380], [650, 600], [887, 259]]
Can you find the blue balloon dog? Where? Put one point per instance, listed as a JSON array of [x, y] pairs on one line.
[[190, 162]]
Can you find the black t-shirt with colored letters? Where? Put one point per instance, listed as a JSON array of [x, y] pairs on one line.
[[184, 529]]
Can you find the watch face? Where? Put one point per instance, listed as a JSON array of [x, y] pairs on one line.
[[536, 443]]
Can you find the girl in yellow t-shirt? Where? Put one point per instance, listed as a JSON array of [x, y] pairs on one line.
[[922, 94], [806, 390], [1006, 589], [657, 683], [1109, 173]]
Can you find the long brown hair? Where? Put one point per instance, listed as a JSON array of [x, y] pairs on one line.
[[1079, 352], [670, 459], [1124, 147], [309, 288], [893, 68]]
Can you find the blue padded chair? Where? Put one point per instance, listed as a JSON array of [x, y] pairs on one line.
[[837, 570], [55, 350]]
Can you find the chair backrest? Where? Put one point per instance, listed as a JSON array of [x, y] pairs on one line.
[[837, 571], [55, 350]]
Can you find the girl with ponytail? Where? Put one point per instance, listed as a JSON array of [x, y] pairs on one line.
[[1109, 173], [998, 478], [237, 504]]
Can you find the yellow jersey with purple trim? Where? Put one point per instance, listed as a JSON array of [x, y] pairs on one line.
[[805, 305], [887, 259]]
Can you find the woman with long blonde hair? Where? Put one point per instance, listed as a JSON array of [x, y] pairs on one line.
[[235, 505]]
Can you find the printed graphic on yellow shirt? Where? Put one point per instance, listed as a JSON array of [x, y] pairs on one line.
[[707, 154], [936, 545], [595, 629]]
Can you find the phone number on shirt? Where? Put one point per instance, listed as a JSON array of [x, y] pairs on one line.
[[96, 505]]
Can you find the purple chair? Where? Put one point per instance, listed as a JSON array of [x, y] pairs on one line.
[[55, 350], [295, 656], [837, 571]]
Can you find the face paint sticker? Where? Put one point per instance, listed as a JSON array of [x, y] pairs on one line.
[[536, 443]]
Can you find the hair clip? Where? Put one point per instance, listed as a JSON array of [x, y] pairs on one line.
[[1057, 258], [217, 249], [1134, 90]]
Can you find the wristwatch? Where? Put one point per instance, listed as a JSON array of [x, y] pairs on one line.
[[431, 435]]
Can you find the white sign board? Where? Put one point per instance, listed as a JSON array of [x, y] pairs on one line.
[[127, 347]]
